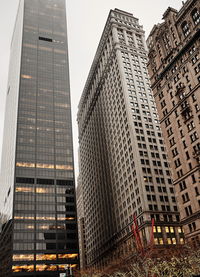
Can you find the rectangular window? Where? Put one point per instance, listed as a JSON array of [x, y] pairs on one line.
[[22, 180], [64, 182], [45, 39], [45, 181]]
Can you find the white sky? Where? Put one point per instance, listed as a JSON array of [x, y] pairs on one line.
[[86, 20]]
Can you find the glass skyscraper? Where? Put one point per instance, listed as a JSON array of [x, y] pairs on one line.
[[37, 191]]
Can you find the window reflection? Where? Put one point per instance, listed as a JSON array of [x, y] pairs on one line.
[[46, 166], [65, 218], [66, 167], [23, 268], [26, 76], [61, 227], [45, 217], [44, 190], [44, 267], [30, 227], [19, 164], [43, 226], [24, 217], [23, 257], [64, 266], [50, 166], [42, 257], [67, 256], [24, 189]]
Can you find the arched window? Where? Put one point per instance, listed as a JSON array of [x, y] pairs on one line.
[[186, 29], [195, 16]]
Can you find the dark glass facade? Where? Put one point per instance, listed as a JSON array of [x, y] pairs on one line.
[[38, 211]]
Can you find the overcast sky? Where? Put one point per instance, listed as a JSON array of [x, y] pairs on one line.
[[86, 20]]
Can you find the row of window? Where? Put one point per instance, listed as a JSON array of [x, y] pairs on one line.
[[45, 226], [185, 25], [41, 267]]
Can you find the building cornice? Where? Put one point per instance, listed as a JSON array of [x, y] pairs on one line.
[[99, 50], [168, 11], [184, 10], [182, 51]]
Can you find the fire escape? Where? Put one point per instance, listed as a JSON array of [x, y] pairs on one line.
[[185, 110]]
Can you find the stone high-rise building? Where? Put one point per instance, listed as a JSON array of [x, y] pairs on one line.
[[38, 235], [123, 162], [174, 68]]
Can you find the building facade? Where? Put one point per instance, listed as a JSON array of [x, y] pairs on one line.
[[174, 68], [81, 224], [37, 191], [123, 162]]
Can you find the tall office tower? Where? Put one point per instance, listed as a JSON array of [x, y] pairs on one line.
[[37, 192], [123, 163], [81, 224], [174, 72]]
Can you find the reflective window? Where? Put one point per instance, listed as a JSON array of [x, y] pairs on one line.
[[23, 268], [44, 267], [23, 257]]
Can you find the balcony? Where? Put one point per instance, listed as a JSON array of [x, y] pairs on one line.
[[185, 108], [180, 90], [196, 155], [186, 111]]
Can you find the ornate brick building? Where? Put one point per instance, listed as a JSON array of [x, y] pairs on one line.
[[174, 69]]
